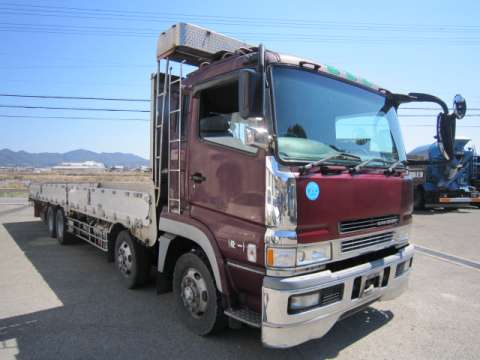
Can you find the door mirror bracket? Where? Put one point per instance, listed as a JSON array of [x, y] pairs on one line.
[[250, 94]]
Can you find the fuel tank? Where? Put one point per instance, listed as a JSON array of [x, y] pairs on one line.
[[334, 206]]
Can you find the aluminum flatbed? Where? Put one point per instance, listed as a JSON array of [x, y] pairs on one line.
[[129, 204]]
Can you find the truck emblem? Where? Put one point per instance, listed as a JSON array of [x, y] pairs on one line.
[[312, 191], [234, 245], [387, 222]]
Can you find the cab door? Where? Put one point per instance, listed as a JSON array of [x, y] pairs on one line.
[[226, 179]]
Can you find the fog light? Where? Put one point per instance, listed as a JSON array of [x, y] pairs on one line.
[[300, 302]]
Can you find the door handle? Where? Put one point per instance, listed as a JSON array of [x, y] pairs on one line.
[[198, 178]]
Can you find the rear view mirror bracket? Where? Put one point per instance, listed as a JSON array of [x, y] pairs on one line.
[[446, 123], [250, 95]]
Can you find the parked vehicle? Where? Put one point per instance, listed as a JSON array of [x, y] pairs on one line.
[[440, 183], [279, 197], [475, 179]]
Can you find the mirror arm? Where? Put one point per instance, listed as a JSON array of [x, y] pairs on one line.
[[418, 97], [430, 98]]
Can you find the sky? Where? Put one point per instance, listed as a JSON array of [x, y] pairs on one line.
[[106, 49]]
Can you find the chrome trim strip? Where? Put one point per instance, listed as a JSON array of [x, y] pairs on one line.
[[367, 241], [350, 226], [338, 254], [281, 238], [246, 268], [280, 196]]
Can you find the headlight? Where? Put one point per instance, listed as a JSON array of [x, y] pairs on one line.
[[314, 254], [281, 257], [291, 257]]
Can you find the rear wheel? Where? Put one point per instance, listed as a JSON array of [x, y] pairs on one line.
[[197, 300], [43, 215], [132, 260], [51, 222], [63, 236]]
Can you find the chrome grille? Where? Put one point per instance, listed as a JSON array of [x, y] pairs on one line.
[[364, 242], [374, 222]]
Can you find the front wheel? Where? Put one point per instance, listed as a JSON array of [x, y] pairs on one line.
[[197, 300]]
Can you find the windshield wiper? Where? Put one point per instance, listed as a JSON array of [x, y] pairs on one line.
[[342, 155], [366, 162], [395, 165], [390, 169]]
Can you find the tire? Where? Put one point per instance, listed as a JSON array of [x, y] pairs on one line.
[[197, 300], [43, 216], [132, 260], [63, 236], [51, 222]]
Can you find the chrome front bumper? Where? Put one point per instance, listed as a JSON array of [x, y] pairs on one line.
[[282, 330]]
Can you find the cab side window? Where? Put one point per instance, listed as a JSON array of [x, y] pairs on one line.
[[217, 105], [220, 118]]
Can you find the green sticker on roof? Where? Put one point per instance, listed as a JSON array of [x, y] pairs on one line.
[[333, 70], [350, 76], [367, 83]]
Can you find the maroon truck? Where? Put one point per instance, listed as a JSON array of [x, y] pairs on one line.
[[280, 195]]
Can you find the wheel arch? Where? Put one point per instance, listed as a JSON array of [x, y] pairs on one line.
[[182, 234]]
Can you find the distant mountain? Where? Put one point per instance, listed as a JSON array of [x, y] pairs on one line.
[[26, 159]]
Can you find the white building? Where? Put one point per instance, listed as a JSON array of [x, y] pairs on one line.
[[86, 166]]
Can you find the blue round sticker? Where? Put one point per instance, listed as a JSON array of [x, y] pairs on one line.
[[312, 191]]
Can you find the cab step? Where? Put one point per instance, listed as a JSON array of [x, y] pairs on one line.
[[245, 316]]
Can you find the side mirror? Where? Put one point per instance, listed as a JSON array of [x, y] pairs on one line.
[[459, 106], [251, 132], [446, 125], [257, 136], [250, 94]]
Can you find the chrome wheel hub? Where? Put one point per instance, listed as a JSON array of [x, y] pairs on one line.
[[124, 258], [194, 292]]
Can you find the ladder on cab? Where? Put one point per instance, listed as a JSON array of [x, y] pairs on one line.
[[175, 143], [166, 110]]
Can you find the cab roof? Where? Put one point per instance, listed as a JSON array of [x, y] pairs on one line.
[[197, 46]]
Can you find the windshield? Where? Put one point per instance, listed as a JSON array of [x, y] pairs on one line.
[[317, 116]]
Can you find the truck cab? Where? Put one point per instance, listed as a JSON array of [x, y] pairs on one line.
[[286, 166]]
